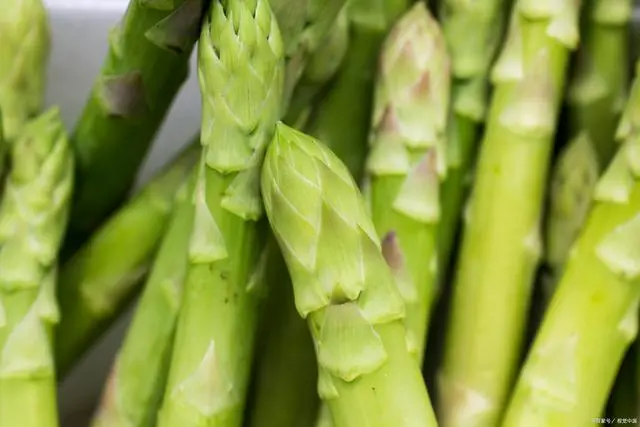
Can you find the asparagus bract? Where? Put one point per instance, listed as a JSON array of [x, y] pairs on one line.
[[501, 243], [342, 286], [241, 74], [146, 65], [33, 218], [137, 381], [24, 53], [98, 281], [593, 315], [407, 160]]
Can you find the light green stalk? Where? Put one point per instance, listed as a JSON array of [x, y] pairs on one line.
[[241, 71], [33, 218], [342, 286], [596, 98], [593, 316], [473, 31], [342, 117], [407, 160], [98, 282], [146, 65], [501, 243], [24, 54]]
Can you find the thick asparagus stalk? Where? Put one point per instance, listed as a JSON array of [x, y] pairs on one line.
[[342, 118], [342, 286], [103, 276], [33, 218], [144, 69], [596, 97], [136, 383], [593, 315], [501, 243], [471, 59], [24, 53], [407, 160], [241, 77]]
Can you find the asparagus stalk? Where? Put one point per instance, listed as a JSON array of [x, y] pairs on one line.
[[471, 59], [142, 73], [501, 244], [98, 281], [24, 53], [407, 160], [33, 217], [241, 77], [342, 286], [596, 97], [342, 118], [593, 315], [136, 383]]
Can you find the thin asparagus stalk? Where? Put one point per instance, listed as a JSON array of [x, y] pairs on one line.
[[24, 53], [137, 381], [596, 97], [342, 286], [593, 315], [146, 65], [105, 274], [471, 60], [33, 218], [501, 243], [241, 77], [342, 118], [407, 160]]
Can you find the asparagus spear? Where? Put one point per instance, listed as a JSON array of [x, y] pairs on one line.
[[471, 59], [24, 53], [241, 77], [596, 96], [407, 160], [342, 118], [137, 380], [33, 217], [142, 73], [593, 315], [103, 276], [501, 243], [342, 286]]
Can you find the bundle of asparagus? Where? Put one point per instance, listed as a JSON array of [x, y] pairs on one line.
[[288, 281]]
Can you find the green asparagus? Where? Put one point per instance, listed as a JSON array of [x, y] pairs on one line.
[[471, 59], [142, 73], [33, 218], [342, 286], [241, 72], [24, 53], [593, 315], [501, 243], [136, 383], [407, 160], [342, 118], [104, 275]]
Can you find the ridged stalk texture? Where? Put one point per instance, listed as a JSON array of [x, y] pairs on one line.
[[596, 97], [145, 67], [471, 60], [136, 383], [104, 275], [24, 54], [33, 218], [241, 74], [342, 117], [501, 245], [408, 161], [593, 316], [342, 286]]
